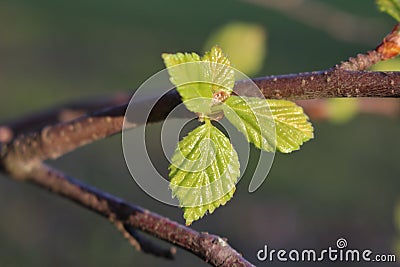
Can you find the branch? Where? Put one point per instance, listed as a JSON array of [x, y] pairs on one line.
[[211, 248], [389, 48], [344, 80], [146, 245], [326, 84], [54, 141], [57, 114]]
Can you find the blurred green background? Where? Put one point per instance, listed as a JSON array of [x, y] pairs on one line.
[[342, 184]]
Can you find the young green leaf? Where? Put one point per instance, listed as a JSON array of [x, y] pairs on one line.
[[218, 71], [204, 171], [291, 123], [392, 7], [187, 75], [198, 79], [252, 117], [269, 124], [342, 110]]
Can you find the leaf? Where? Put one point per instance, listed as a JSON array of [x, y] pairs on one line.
[[269, 124], [252, 117], [342, 110], [387, 65], [204, 171], [186, 71], [198, 79], [245, 43], [218, 71], [392, 7], [292, 125]]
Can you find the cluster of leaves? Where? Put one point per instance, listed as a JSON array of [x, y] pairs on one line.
[[205, 165]]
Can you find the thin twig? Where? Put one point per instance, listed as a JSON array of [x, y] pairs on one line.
[[56, 140], [57, 114], [210, 248], [389, 48], [344, 80], [148, 246]]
